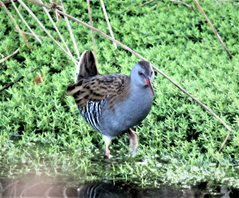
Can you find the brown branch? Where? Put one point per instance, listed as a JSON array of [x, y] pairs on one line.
[[213, 28], [9, 56], [210, 111], [16, 25]]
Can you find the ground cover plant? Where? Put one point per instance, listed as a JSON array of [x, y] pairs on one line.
[[42, 132]]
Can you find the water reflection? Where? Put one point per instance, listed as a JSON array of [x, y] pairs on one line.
[[47, 187]]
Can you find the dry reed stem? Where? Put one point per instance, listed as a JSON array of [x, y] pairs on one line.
[[7, 3], [9, 56], [43, 28], [210, 111], [145, 3], [59, 34], [30, 34], [25, 22], [225, 48], [213, 28], [182, 3], [71, 33], [92, 32], [58, 16], [107, 20], [16, 25]]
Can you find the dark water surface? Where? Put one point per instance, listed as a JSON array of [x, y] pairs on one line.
[[35, 186]]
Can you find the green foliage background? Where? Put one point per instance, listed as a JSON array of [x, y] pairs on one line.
[[42, 132]]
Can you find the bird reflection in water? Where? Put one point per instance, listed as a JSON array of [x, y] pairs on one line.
[[34, 186]]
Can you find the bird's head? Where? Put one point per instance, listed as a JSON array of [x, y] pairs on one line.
[[142, 75]]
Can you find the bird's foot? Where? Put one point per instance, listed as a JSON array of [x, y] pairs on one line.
[[107, 154], [107, 150]]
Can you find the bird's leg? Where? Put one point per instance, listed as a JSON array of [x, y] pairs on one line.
[[107, 150], [133, 141]]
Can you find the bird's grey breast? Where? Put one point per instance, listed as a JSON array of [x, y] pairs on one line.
[[127, 113]]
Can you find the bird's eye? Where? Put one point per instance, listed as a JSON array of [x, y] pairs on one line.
[[141, 74]]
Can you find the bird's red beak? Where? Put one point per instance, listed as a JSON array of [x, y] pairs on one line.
[[148, 83]]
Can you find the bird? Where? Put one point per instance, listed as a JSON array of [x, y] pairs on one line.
[[113, 104]]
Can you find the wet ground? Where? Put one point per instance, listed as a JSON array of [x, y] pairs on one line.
[[35, 186]]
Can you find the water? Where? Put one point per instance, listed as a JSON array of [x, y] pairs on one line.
[[35, 186]]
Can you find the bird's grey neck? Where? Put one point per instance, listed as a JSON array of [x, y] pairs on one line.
[[136, 86], [140, 91]]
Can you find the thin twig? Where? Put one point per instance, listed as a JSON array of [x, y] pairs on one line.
[[107, 20], [9, 56], [30, 34], [58, 16], [44, 29], [11, 83], [59, 34], [213, 28], [19, 78], [182, 3], [24, 21], [16, 25], [71, 33], [225, 140], [92, 32], [7, 3], [145, 3], [210, 111]]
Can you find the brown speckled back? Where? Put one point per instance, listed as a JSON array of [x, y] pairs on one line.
[[113, 87]]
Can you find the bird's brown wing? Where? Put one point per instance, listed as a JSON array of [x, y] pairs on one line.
[[113, 87]]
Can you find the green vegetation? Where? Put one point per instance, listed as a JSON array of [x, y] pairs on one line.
[[41, 130]]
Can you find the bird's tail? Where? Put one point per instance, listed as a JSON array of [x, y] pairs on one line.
[[86, 67]]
